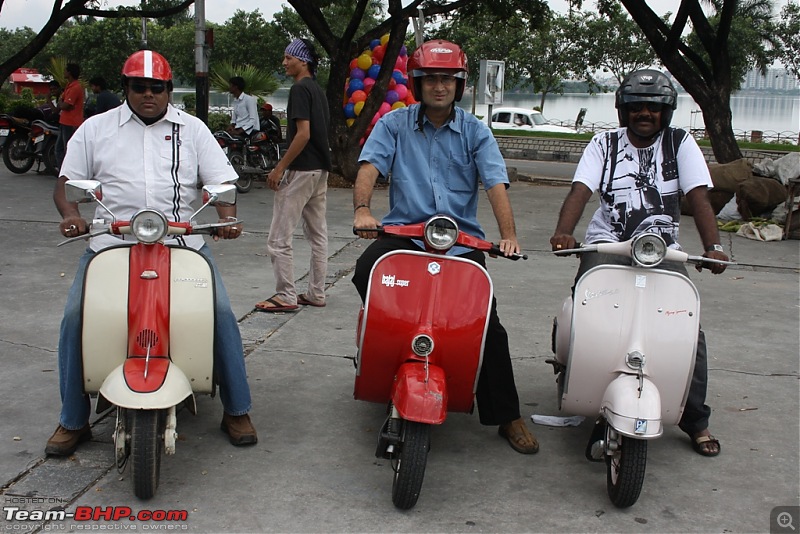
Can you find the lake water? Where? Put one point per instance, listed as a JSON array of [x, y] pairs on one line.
[[768, 113]]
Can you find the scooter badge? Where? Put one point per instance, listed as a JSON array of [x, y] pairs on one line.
[[434, 268]]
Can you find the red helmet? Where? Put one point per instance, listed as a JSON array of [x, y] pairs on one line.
[[434, 57], [266, 106], [147, 64]]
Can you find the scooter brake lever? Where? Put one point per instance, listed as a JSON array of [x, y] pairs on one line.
[[495, 251], [379, 229], [82, 237]]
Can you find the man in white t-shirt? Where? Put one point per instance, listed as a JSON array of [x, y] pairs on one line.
[[639, 171], [146, 153]]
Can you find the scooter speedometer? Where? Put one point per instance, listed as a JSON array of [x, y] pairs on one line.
[[149, 226], [441, 232], [649, 250]]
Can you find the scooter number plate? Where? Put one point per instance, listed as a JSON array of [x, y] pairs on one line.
[[38, 139], [640, 427], [4, 132]]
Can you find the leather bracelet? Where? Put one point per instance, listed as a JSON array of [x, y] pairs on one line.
[[360, 206]]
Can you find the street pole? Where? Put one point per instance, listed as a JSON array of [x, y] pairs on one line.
[[201, 60]]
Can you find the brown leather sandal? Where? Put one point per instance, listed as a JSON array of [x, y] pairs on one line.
[[519, 437]]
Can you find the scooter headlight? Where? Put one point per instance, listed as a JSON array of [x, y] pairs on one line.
[[149, 226], [422, 345], [441, 232], [649, 250]]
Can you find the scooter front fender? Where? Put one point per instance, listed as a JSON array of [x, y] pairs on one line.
[[630, 413], [175, 389], [417, 398]]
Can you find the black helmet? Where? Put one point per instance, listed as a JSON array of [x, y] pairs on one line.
[[646, 85]]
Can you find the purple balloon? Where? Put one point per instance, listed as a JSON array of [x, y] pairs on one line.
[[392, 96], [403, 51], [357, 73]]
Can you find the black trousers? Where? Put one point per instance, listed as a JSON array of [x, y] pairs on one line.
[[498, 402], [696, 412]]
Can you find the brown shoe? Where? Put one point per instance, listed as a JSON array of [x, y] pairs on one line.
[[239, 429], [519, 437], [63, 442]]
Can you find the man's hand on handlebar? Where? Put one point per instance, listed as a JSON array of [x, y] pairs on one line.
[[715, 268], [508, 246], [562, 242], [73, 226], [228, 232], [363, 219]]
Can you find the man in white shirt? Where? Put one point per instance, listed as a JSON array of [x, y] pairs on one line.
[[244, 119], [146, 153]]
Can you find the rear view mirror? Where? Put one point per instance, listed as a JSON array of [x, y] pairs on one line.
[[82, 191], [223, 194]]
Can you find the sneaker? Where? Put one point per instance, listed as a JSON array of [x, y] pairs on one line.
[[519, 437], [239, 429], [63, 442]]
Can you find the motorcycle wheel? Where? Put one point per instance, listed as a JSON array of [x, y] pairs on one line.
[[625, 471], [245, 181], [272, 156], [14, 156], [49, 158], [411, 461], [146, 429]]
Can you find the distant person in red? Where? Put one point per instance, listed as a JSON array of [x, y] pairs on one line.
[[71, 107]]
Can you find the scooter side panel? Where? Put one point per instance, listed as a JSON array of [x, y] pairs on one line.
[[411, 293], [192, 317], [619, 309], [105, 316]]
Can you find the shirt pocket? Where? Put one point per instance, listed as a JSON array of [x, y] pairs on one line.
[[461, 173]]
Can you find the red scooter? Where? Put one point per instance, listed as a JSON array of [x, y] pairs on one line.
[[420, 339]]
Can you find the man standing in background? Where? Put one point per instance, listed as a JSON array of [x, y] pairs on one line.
[[71, 108]]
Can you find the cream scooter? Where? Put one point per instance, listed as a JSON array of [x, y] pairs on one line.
[[148, 328], [625, 351]]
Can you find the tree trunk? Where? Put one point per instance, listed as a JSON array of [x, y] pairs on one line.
[[717, 119]]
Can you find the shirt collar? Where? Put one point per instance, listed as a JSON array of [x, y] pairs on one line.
[[173, 115], [453, 122]]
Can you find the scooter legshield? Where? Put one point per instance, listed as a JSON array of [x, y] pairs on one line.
[[631, 413], [175, 388], [412, 293]]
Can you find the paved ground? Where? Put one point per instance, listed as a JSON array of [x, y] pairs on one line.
[[313, 469]]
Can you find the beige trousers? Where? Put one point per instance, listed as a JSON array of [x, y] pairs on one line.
[[300, 195]]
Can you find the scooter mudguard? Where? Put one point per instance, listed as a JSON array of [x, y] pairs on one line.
[[632, 414], [175, 388], [413, 293], [420, 395]]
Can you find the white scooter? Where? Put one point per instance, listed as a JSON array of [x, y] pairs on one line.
[[625, 350], [148, 328]]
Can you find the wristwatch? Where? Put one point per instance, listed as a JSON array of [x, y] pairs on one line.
[[716, 247]]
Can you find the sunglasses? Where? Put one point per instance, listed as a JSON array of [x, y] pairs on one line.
[[652, 107], [140, 87]]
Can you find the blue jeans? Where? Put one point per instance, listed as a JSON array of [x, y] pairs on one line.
[[64, 134], [228, 353]]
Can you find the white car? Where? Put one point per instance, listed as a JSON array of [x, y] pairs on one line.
[[524, 119]]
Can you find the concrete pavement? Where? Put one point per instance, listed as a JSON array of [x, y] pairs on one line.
[[314, 469]]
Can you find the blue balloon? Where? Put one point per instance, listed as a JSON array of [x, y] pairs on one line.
[[355, 85], [373, 43], [373, 71], [350, 111], [398, 77]]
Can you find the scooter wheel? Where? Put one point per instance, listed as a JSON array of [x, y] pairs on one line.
[[625, 471], [411, 461], [146, 428]]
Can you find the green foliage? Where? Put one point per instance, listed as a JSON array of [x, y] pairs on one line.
[[12, 42], [248, 38], [257, 81], [176, 43], [788, 33], [218, 121], [3, 102], [189, 102]]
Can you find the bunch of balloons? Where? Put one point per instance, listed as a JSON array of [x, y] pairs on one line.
[[364, 72]]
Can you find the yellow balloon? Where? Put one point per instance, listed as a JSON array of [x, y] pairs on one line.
[[349, 122], [399, 104], [384, 39], [358, 107], [364, 62]]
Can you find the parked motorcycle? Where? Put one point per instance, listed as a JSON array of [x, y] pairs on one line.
[[420, 339], [148, 329], [624, 353], [256, 154], [14, 136], [42, 143]]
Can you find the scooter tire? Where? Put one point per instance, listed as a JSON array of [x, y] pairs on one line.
[[625, 471], [49, 158], [15, 156], [412, 459], [245, 181], [146, 428]]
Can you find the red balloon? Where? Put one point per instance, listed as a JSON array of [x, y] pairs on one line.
[[354, 64], [378, 52], [358, 96]]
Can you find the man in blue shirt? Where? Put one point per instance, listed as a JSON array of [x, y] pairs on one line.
[[436, 153], [244, 119]]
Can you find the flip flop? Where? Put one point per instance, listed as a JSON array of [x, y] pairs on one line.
[[301, 299], [277, 306], [699, 441]]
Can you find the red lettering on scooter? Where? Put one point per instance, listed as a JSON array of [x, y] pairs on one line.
[[670, 313]]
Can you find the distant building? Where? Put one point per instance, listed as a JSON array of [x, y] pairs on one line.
[[776, 79], [30, 78]]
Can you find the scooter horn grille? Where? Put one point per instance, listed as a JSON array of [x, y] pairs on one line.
[[147, 338]]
